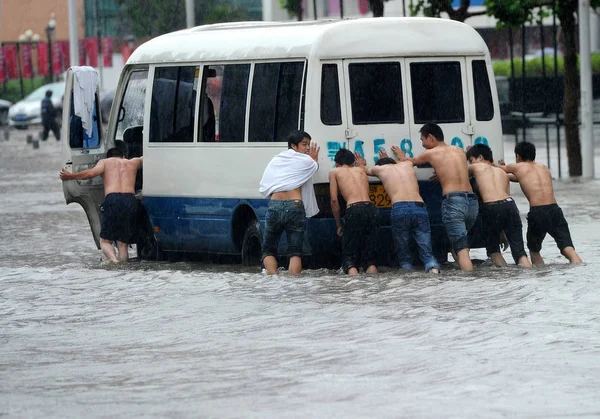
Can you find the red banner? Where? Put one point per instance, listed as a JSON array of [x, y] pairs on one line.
[[2, 72], [107, 51], [92, 51], [82, 51], [57, 61], [26, 61], [10, 61], [363, 6], [126, 51], [42, 58], [65, 54]]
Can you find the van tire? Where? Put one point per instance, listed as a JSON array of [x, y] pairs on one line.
[[147, 247], [252, 245]]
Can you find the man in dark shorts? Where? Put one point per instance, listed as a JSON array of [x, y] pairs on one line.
[[359, 226], [120, 208], [545, 216], [498, 210]]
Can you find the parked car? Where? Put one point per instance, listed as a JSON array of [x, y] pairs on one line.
[[28, 111], [4, 106]]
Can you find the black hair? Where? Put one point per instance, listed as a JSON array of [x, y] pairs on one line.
[[384, 161], [432, 129], [344, 156], [296, 137], [525, 150], [114, 152], [48, 93], [481, 150]]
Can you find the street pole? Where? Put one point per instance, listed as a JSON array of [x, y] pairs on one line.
[[73, 33], [586, 132], [20, 70], [98, 34], [189, 13]]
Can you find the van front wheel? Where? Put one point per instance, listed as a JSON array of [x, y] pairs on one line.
[[252, 245]]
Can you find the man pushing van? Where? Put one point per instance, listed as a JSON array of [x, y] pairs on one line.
[[120, 207]]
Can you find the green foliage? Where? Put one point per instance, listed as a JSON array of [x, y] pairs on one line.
[[293, 7], [533, 67], [11, 90], [149, 18]]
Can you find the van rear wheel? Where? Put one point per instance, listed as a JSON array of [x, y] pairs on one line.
[[252, 245]]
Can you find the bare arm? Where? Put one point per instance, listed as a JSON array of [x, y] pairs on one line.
[[335, 203], [97, 170], [416, 161], [361, 162]]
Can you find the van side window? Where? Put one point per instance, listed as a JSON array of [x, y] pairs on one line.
[[376, 93], [484, 105], [172, 112], [275, 101], [224, 106], [331, 110], [437, 94]]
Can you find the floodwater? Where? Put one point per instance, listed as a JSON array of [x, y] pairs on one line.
[[79, 338]]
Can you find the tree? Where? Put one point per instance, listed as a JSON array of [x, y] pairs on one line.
[[294, 8], [517, 12], [150, 18], [434, 8]]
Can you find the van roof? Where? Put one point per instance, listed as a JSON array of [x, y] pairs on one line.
[[322, 39]]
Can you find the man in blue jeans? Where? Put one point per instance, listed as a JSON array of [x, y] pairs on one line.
[[459, 204], [409, 214], [287, 181]]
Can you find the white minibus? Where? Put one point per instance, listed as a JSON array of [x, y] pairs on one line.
[[208, 107]]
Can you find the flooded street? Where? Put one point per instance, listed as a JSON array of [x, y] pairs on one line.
[[80, 338]]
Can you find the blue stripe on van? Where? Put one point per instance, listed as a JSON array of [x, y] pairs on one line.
[[204, 224]]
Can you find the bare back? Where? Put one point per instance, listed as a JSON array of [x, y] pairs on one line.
[[492, 182], [399, 180], [450, 165], [119, 174], [352, 183], [535, 181]]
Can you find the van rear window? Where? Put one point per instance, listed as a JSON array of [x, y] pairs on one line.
[[437, 93], [331, 110], [376, 93], [484, 105]]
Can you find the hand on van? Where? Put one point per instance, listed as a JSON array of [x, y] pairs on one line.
[[314, 151]]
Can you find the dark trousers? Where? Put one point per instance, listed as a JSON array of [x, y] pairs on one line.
[[50, 125]]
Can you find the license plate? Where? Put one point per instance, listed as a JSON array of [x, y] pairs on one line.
[[378, 196], [20, 117]]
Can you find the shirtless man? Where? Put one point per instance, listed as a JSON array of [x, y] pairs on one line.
[[409, 214], [545, 216], [286, 210], [359, 226], [120, 207], [459, 203], [498, 211]]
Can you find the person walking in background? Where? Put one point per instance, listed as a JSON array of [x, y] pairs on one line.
[[49, 117], [459, 204], [120, 208], [545, 216], [360, 224], [410, 218], [498, 210]]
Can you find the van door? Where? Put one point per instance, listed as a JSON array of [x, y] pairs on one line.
[[82, 149], [439, 94], [377, 117]]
